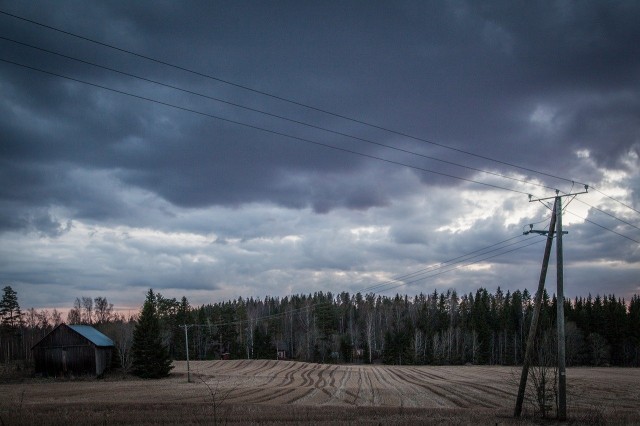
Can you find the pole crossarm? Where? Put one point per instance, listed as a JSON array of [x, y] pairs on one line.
[[541, 232], [586, 191]]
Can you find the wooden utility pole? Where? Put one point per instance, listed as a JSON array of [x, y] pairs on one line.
[[562, 375], [533, 328], [186, 345], [554, 226]]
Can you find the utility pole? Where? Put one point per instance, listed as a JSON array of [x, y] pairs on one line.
[[554, 226], [533, 328], [562, 375], [186, 345]]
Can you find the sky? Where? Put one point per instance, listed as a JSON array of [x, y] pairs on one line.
[[218, 150]]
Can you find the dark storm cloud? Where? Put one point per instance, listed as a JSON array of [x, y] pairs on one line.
[[469, 75], [526, 83]]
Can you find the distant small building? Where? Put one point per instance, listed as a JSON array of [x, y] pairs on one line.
[[73, 350], [281, 350]]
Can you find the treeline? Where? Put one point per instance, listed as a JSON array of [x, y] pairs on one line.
[[436, 328]]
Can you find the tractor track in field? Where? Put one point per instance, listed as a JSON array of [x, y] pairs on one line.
[[290, 374], [386, 379], [258, 366], [291, 382], [295, 392], [332, 376], [337, 392], [437, 391], [302, 395], [456, 392], [464, 380], [301, 383], [283, 374], [343, 390], [395, 380], [375, 396], [321, 382], [307, 381], [272, 394]]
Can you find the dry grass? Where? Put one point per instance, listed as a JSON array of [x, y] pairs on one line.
[[279, 392]]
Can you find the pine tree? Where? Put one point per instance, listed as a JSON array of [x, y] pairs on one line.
[[480, 325], [150, 357], [10, 323], [10, 309]]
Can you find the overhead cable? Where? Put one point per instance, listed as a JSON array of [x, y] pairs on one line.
[[608, 214], [446, 263], [293, 102], [613, 199], [312, 305], [464, 265], [280, 98], [269, 114], [274, 132], [603, 227]]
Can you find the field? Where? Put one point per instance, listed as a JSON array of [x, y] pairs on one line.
[[279, 392]]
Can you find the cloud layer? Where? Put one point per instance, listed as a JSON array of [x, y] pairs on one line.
[[104, 193]]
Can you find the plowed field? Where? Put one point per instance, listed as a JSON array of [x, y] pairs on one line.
[[276, 392]]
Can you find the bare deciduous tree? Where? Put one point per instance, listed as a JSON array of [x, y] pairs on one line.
[[103, 310], [123, 342], [219, 395], [87, 310], [56, 318], [542, 392], [75, 314]]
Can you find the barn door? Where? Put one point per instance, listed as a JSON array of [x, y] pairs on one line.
[[64, 361]]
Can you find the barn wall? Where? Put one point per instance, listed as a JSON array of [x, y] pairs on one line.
[[64, 352], [103, 359], [62, 336], [62, 361]]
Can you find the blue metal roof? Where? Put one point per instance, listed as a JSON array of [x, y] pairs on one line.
[[93, 335]]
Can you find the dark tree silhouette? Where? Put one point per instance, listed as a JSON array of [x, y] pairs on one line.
[[10, 309], [150, 357]]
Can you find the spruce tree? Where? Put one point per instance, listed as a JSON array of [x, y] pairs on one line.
[[10, 309], [150, 357]]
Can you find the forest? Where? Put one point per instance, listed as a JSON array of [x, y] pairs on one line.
[[436, 328]]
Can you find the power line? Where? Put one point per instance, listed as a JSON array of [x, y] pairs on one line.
[[603, 227], [444, 264], [610, 215], [600, 210], [294, 137], [293, 102], [280, 98], [312, 305], [269, 114], [465, 265], [326, 112], [274, 132], [613, 199]]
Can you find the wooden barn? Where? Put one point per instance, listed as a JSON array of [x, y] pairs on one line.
[[73, 350]]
